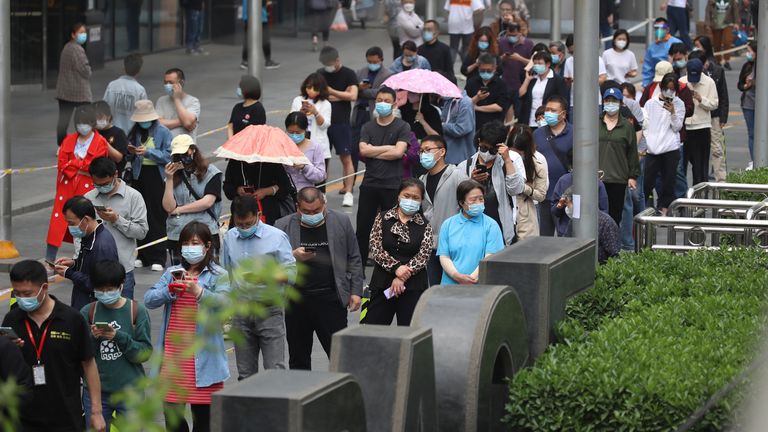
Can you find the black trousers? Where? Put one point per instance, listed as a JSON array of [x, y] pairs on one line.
[[696, 149], [547, 222], [266, 46], [434, 269], [66, 108], [459, 39], [666, 165], [315, 313], [381, 310], [150, 185], [616, 193], [201, 417], [372, 200]]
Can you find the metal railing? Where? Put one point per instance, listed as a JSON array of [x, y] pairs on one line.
[[712, 190]]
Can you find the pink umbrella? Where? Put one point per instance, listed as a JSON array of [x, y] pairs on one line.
[[262, 143], [423, 81]]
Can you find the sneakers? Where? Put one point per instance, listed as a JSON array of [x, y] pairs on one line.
[[349, 200], [157, 268], [201, 51], [138, 263], [244, 65], [269, 64], [750, 165]]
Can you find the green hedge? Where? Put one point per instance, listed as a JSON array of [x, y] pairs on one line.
[[643, 349], [757, 176]]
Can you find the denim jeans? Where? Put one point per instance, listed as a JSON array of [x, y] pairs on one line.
[[107, 408], [194, 28], [681, 181], [605, 31], [260, 334], [634, 203], [678, 21], [128, 285], [749, 118]]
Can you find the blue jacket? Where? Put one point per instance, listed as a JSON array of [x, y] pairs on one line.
[[421, 63], [99, 245], [264, 14], [211, 365], [161, 154], [563, 221], [458, 117], [656, 52]]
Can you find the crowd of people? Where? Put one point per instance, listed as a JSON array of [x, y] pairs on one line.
[[448, 181]]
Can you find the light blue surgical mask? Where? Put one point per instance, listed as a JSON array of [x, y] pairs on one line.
[[552, 118], [374, 67], [383, 108], [108, 297], [483, 45], [313, 219], [413, 59], [680, 64], [409, 206], [476, 209], [486, 76], [427, 160], [750, 57], [428, 36], [145, 125], [168, 88], [239, 92], [193, 254], [297, 137], [81, 38], [611, 107], [75, 230], [555, 59], [29, 304], [84, 129], [513, 39], [246, 233], [539, 69], [105, 189]]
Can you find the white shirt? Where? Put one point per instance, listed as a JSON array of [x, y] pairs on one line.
[[676, 3], [661, 128], [537, 96], [541, 158], [618, 63], [568, 73], [460, 15], [166, 109], [409, 27], [702, 116], [318, 133]]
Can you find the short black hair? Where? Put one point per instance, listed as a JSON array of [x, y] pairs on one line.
[[179, 73], [375, 51], [102, 167], [101, 108], [76, 26], [559, 99], [465, 187], [250, 86], [493, 132], [630, 88], [541, 46], [245, 205], [107, 273], [440, 141], [544, 56], [387, 90], [29, 271], [132, 64], [80, 206], [670, 77], [85, 114], [569, 40], [410, 46], [486, 59], [678, 48], [328, 54], [310, 194], [437, 24], [297, 118], [412, 182], [701, 55], [660, 20]]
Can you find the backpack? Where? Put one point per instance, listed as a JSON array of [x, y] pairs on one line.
[[92, 312]]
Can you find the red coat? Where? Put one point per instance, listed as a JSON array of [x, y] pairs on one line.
[[72, 179]]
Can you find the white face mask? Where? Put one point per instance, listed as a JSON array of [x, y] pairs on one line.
[[409, 7], [330, 69], [621, 44], [101, 124], [668, 93]]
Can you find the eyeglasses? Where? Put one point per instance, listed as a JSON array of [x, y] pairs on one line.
[[429, 150]]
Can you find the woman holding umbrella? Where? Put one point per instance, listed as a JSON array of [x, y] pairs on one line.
[[423, 118]]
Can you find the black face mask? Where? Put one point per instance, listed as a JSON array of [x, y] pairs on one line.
[[184, 159]]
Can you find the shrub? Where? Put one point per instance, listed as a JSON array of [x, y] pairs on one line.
[[756, 176]]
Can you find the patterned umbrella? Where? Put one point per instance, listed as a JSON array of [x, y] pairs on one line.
[[423, 81], [262, 143]]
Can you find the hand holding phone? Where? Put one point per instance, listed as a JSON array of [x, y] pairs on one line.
[[8, 332], [100, 208], [177, 275], [101, 325]]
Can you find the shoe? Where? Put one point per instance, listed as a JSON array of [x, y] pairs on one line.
[[727, 66], [138, 263], [349, 200], [201, 51], [314, 43], [157, 268], [271, 64], [750, 165], [244, 65]]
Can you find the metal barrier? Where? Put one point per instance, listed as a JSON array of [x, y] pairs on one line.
[[712, 190], [715, 209]]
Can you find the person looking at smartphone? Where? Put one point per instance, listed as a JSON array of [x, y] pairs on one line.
[[149, 150], [488, 92], [120, 337], [501, 172], [540, 84], [314, 104], [59, 362]]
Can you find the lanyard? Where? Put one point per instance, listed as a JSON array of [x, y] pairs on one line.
[[38, 349]]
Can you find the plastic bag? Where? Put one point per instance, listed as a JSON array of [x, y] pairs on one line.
[[339, 23]]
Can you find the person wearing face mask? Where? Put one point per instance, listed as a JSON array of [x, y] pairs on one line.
[[484, 41], [401, 241], [249, 240], [520, 140], [314, 104], [458, 118], [296, 125], [324, 240], [250, 111], [58, 367], [197, 284], [76, 153], [560, 212], [658, 50], [678, 56], [467, 237], [698, 127], [409, 24], [746, 85], [149, 150], [370, 78], [502, 174], [608, 244], [192, 193], [557, 54], [73, 85], [117, 140], [120, 335], [178, 110], [488, 92], [540, 84], [516, 51], [409, 60], [437, 53], [96, 243], [383, 142], [618, 159], [122, 211], [121, 94], [620, 61], [421, 116]]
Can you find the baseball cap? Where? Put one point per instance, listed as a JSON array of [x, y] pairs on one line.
[[181, 144], [694, 68], [614, 93], [662, 68]]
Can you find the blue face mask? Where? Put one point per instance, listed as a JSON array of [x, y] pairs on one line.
[[611, 107], [552, 118], [412, 59], [108, 297], [660, 33], [680, 64], [84, 129], [428, 36], [239, 93], [145, 125], [75, 230], [486, 76], [29, 304], [313, 219], [513, 39], [383, 108], [192, 254], [476, 209], [539, 69], [555, 59], [168, 88], [297, 137], [374, 67], [105, 189], [483, 45], [409, 206], [81, 38], [246, 233], [750, 57], [427, 160]]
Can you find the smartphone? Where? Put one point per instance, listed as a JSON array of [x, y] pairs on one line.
[[100, 207], [366, 81], [50, 263], [482, 168], [101, 325], [310, 249], [484, 89], [177, 274], [249, 189], [531, 73], [8, 332]]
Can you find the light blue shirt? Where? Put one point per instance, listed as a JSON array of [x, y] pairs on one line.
[[81, 148], [467, 241]]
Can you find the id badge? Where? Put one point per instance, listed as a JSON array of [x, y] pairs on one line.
[[38, 374]]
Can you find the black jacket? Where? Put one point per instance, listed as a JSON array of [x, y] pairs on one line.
[[439, 56], [555, 86], [259, 175], [98, 246], [717, 73]]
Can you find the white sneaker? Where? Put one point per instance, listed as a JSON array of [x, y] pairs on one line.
[[157, 268], [349, 200], [138, 263], [750, 166]]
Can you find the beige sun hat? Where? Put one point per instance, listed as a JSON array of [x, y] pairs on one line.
[[144, 112], [181, 143], [662, 68]]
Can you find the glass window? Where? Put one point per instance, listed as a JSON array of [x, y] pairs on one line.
[[166, 28], [131, 18]]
